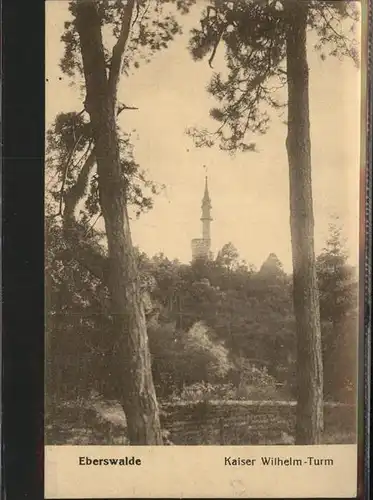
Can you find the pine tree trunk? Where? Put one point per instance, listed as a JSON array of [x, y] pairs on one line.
[[130, 355], [309, 423]]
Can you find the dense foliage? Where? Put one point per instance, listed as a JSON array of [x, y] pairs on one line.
[[218, 327], [339, 315], [252, 36]]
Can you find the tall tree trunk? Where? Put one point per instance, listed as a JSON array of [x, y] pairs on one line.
[[130, 356], [309, 423]]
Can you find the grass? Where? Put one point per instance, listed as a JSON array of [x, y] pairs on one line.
[[99, 422]]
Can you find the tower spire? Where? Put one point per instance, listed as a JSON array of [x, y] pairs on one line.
[[206, 195], [201, 246], [206, 215]]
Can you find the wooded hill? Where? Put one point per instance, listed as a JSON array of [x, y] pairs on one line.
[[218, 326]]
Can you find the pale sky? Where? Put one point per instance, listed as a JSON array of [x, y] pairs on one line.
[[249, 192]]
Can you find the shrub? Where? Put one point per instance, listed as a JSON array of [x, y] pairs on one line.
[[208, 358], [255, 383], [186, 358], [204, 391]]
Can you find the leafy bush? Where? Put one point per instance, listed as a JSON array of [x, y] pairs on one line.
[[259, 377], [256, 384], [186, 358], [208, 357], [204, 391]]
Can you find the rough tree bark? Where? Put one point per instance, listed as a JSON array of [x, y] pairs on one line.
[[131, 357], [309, 424]]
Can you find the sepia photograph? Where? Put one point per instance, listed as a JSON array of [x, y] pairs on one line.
[[202, 227]]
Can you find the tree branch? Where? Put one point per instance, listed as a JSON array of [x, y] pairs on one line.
[[94, 223], [119, 48], [123, 107], [339, 36], [88, 258], [216, 45], [77, 191], [137, 14], [88, 25], [79, 249], [66, 169]]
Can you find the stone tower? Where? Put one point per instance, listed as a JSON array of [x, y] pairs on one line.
[[201, 246]]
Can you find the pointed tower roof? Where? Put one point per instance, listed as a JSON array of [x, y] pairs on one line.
[[206, 195]]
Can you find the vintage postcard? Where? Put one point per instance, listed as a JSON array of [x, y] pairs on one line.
[[204, 221]]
